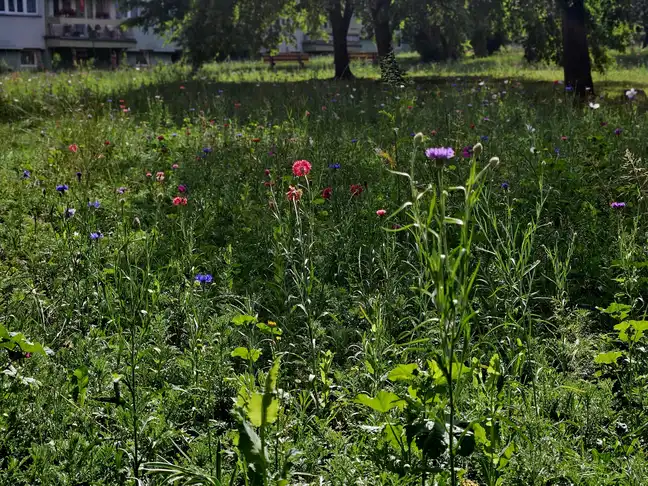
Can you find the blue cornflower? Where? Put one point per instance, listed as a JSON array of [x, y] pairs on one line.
[[557, 150], [62, 188], [569, 88], [95, 235], [94, 204], [26, 174], [174, 134], [440, 153], [204, 278], [334, 166], [69, 212], [505, 186], [122, 190], [207, 150], [109, 100], [354, 140], [484, 138]]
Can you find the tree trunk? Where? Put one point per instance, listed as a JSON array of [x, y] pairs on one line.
[[381, 27], [576, 61], [340, 22]]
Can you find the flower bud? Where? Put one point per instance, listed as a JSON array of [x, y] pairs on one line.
[[418, 138], [477, 149], [494, 162]]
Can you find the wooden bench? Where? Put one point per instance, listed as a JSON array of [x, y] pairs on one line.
[[286, 57], [368, 56]]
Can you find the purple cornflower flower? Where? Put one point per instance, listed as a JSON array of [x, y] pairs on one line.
[[69, 212], [484, 138], [26, 174], [439, 153], [95, 235], [354, 140], [62, 188], [334, 166], [122, 190], [78, 176], [94, 204], [204, 278], [505, 186], [617, 205], [207, 150], [618, 131]]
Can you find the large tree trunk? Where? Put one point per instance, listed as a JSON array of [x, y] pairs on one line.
[[340, 22], [381, 27], [576, 60]]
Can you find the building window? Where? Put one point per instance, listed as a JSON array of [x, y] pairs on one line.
[[28, 58], [18, 7]]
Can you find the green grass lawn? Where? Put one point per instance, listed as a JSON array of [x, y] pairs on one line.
[[183, 298]]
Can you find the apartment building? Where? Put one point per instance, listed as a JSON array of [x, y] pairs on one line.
[[43, 33]]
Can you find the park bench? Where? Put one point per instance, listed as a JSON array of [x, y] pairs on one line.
[[287, 57], [367, 56]]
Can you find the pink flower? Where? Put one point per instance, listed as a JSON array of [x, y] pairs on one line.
[[159, 176], [327, 192], [381, 212], [177, 201], [182, 188], [294, 194], [175, 166], [160, 137], [267, 172], [301, 168], [74, 148], [148, 174]]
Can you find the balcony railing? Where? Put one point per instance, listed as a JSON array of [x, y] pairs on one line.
[[88, 32]]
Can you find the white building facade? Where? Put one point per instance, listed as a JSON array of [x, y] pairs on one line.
[[51, 33]]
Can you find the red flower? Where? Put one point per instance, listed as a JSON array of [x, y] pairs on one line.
[[256, 140], [433, 132], [237, 105], [160, 137], [472, 125], [182, 87], [74, 148], [267, 172], [563, 138], [381, 212], [301, 168], [294, 194], [178, 201], [107, 142], [327, 192], [410, 107], [356, 189]]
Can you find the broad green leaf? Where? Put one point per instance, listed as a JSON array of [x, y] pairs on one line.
[[480, 434], [247, 354], [608, 358], [403, 372], [242, 319], [395, 436], [619, 311], [255, 410], [383, 402], [250, 446]]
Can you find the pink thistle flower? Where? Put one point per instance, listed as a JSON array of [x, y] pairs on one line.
[[327, 192], [73, 148], [179, 201], [159, 176], [301, 168], [381, 212]]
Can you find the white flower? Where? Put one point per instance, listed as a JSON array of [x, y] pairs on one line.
[[631, 93], [594, 106], [482, 83], [529, 128], [506, 81], [533, 150]]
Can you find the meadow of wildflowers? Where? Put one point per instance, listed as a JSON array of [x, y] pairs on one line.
[[252, 277]]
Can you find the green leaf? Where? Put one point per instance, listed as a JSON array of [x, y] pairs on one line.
[[619, 311], [319, 201], [256, 458], [242, 319], [403, 372], [383, 402], [247, 354], [480, 434], [608, 358], [256, 410]]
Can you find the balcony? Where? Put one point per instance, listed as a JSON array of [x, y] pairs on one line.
[[85, 35]]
